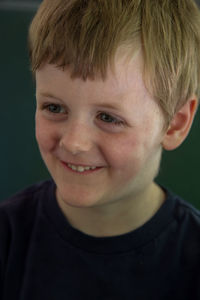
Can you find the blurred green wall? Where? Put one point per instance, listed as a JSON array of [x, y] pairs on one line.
[[21, 164], [20, 160]]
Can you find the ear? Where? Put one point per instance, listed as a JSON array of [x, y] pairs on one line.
[[180, 125]]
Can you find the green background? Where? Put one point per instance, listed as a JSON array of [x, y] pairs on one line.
[[21, 164]]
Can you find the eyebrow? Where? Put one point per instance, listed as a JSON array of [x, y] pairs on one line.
[[46, 94], [110, 105]]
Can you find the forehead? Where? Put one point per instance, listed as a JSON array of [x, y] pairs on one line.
[[123, 78]]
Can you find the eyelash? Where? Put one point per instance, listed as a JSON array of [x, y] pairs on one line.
[[47, 107], [112, 120]]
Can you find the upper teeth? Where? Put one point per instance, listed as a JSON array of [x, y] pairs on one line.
[[80, 168]]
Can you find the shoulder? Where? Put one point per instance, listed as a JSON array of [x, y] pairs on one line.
[[185, 213], [19, 212], [185, 230], [182, 227], [18, 216], [21, 198], [22, 206], [181, 211]]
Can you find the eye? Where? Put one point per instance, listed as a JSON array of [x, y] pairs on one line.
[[110, 119], [54, 108]]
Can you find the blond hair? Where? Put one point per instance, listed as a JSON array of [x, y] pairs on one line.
[[85, 35]]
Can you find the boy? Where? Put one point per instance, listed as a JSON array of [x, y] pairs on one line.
[[117, 81]]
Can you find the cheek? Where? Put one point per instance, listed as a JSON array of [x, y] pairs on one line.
[[46, 135], [128, 154], [124, 152]]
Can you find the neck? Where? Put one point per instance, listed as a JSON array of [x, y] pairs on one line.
[[115, 218]]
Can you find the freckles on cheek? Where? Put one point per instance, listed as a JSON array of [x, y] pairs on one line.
[[124, 153], [46, 137]]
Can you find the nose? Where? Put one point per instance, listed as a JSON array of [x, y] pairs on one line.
[[77, 138]]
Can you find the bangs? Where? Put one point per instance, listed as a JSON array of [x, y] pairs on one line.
[[82, 35]]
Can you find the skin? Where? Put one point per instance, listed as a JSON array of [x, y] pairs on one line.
[[82, 130]]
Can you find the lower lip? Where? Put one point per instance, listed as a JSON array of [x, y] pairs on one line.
[[87, 172]]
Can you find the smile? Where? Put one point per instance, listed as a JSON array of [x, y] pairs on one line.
[[80, 169]]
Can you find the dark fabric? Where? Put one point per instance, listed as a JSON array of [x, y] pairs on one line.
[[43, 258]]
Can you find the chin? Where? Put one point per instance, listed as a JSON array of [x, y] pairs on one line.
[[79, 198]]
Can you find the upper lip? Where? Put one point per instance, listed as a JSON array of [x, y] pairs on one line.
[[82, 165]]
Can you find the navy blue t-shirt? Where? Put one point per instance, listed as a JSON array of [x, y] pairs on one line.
[[42, 257]]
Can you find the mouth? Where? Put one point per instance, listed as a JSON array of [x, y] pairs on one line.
[[81, 169]]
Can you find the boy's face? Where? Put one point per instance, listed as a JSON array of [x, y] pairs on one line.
[[114, 126]]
